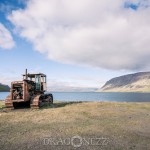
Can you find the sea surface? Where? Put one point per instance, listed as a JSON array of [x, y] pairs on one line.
[[95, 96]]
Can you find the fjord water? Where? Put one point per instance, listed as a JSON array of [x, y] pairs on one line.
[[95, 96]]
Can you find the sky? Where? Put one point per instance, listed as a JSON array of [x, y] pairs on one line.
[[77, 44]]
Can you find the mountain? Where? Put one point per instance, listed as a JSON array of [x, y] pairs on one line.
[[138, 82], [4, 88]]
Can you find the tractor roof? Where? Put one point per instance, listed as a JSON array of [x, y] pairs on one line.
[[32, 75]]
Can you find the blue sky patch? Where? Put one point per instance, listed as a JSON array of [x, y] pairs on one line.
[[138, 4], [131, 5]]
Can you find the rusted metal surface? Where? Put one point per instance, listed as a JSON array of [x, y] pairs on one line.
[[31, 89], [8, 102]]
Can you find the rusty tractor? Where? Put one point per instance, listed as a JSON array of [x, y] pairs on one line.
[[30, 90]]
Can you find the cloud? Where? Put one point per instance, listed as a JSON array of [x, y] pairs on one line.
[[6, 39], [66, 86], [103, 34]]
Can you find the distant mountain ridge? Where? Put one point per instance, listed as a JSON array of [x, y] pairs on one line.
[[137, 82], [4, 88]]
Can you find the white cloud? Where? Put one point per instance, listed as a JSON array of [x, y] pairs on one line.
[[6, 40], [66, 86], [87, 32]]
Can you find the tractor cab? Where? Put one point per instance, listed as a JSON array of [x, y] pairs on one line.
[[39, 80]]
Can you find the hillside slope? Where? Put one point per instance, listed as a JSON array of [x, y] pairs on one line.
[[4, 88], [138, 82]]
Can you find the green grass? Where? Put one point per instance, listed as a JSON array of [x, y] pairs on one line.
[[125, 125]]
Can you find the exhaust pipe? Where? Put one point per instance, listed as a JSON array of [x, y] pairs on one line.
[[26, 74]]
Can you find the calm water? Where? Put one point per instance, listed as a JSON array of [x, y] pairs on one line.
[[92, 96]]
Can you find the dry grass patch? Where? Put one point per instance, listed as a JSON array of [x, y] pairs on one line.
[[126, 125]]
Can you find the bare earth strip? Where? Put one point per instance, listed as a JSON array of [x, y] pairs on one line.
[[77, 125]]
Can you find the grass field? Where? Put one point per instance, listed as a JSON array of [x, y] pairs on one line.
[[99, 125]]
